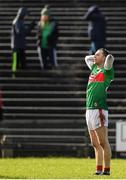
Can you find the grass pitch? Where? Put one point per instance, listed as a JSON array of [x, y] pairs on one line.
[[57, 168]]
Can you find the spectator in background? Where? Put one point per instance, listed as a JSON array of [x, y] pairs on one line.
[[47, 37], [96, 28], [18, 38]]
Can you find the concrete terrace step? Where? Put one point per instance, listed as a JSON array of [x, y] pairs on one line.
[[43, 110], [79, 33], [75, 60], [57, 72], [113, 117], [49, 94], [76, 31], [57, 110], [48, 87], [67, 17], [49, 80], [64, 63], [64, 45], [41, 123], [52, 122], [44, 131], [37, 148], [56, 82], [47, 102], [75, 53], [52, 87], [55, 102], [47, 138], [54, 73], [55, 121], [67, 27], [35, 116], [55, 94]]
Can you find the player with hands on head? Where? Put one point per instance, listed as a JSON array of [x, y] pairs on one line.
[[102, 73]]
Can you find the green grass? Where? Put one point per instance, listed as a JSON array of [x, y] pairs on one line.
[[57, 168]]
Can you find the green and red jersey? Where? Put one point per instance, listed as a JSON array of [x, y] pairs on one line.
[[96, 93]]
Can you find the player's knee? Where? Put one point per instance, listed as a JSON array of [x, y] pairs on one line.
[[102, 144], [95, 145]]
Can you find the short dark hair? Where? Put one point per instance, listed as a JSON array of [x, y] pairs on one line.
[[105, 51]]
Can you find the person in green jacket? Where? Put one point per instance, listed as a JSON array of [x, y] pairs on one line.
[[47, 37]]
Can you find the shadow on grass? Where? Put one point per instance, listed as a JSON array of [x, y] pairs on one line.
[[9, 177]]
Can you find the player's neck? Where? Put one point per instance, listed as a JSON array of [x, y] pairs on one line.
[[100, 66]]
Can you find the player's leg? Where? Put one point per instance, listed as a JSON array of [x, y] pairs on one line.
[[91, 117], [53, 57], [44, 55], [22, 59], [102, 134], [98, 151]]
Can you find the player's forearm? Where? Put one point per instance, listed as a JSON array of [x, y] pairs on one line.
[[109, 62], [89, 59]]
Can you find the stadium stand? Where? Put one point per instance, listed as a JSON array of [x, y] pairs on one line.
[[44, 110]]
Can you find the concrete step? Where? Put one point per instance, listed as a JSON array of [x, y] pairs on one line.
[[35, 116], [56, 94], [47, 102], [44, 131]]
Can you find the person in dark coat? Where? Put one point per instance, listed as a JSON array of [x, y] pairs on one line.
[[96, 28], [18, 38], [47, 37]]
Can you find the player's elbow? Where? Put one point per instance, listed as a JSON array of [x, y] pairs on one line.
[[109, 62]]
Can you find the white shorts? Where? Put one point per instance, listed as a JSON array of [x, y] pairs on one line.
[[94, 119]]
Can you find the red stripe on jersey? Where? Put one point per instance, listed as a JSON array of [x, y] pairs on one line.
[[96, 77]]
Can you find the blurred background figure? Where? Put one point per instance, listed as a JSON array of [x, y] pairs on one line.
[[47, 37], [18, 38], [96, 28]]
